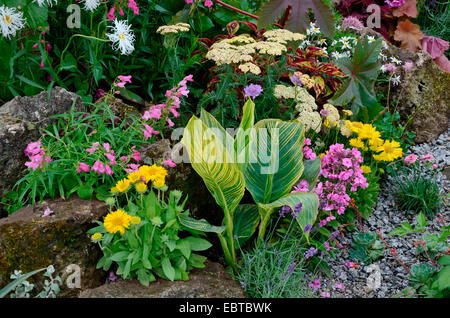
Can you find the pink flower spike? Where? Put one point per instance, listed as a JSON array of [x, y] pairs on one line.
[[82, 167], [108, 170], [171, 124], [35, 46], [110, 15], [125, 78]]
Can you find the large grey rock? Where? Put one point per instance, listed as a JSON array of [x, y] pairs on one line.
[[20, 122], [29, 241], [210, 282], [423, 94]]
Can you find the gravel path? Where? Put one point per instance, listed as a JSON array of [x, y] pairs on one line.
[[387, 217]]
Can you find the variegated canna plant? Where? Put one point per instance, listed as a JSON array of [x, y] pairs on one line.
[[265, 158]]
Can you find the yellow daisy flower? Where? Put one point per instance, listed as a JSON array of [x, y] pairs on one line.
[[358, 143], [141, 187], [96, 236], [122, 185], [366, 169], [134, 177], [117, 221], [389, 151], [135, 220]]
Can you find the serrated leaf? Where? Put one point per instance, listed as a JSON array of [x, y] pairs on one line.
[[362, 71], [298, 20], [408, 8]]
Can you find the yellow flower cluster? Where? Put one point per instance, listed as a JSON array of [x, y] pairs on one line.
[[141, 178], [239, 48], [368, 137], [250, 67], [179, 27]]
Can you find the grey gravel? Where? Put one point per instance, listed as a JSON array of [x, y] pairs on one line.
[[386, 217]]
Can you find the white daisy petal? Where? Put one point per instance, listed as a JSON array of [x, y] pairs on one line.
[[11, 21], [122, 37]]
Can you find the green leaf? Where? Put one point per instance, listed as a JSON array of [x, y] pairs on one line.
[[245, 221], [444, 260], [311, 171], [199, 225], [120, 256], [362, 71], [310, 205], [184, 247], [242, 139], [298, 20], [275, 159], [168, 270], [443, 278], [212, 161], [85, 192], [197, 244], [421, 220]]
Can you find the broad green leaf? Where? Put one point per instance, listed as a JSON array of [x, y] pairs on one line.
[[362, 71], [444, 260], [168, 270], [184, 247], [310, 205], [243, 134], [211, 160], [197, 244], [444, 278], [311, 171], [120, 256], [199, 225], [245, 220], [275, 159], [421, 220], [298, 20]]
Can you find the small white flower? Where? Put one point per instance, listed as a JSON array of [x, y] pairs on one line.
[[395, 60], [323, 50], [383, 57], [306, 43], [371, 38], [11, 21], [383, 68], [333, 43], [338, 27], [335, 55], [355, 41], [321, 42], [313, 29], [346, 45], [395, 80], [122, 37], [42, 2], [91, 5]]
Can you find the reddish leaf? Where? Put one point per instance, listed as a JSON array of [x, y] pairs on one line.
[[443, 62], [319, 84], [409, 8], [298, 20], [409, 34], [434, 46]]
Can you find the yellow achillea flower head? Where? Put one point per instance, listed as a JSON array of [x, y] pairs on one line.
[[389, 151], [135, 220], [117, 221], [141, 187], [96, 236], [366, 169]]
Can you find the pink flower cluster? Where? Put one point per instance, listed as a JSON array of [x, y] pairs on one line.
[[412, 158], [353, 23], [307, 152], [207, 3], [341, 170], [105, 168], [394, 3], [36, 154], [173, 102], [131, 4]]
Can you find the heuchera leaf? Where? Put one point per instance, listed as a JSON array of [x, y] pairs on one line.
[[298, 20], [362, 71], [409, 34], [434, 46], [409, 8]]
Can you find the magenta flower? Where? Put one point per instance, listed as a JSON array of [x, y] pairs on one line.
[[149, 131], [108, 170], [47, 212], [169, 163], [352, 23], [428, 157], [110, 15], [325, 294], [82, 167], [98, 167], [315, 284], [394, 3], [208, 3]]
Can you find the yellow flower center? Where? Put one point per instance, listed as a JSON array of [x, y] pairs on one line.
[[388, 148], [7, 19], [122, 36]]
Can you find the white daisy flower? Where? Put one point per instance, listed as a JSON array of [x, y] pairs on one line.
[[333, 43], [122, 37], [313, 29], [395, 60], [323, 50], [335, 55], [383, 68], [395, 80], [42, 2], [383, 57], [91, 5], [306, 43], [346, 45], [371, 38], [355, 41], [11, 21]]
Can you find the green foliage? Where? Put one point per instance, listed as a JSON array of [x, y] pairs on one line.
[[158, 245], [275, 269], [362, 70], [416, 188], [430, 281], [366, 199], [297, 20], [406, 228], [227, 171], [66, 142], [390, 127], [433, 244], [366, 247]]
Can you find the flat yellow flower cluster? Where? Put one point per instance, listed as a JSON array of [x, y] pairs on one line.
[[141, 178], [369, 138]]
